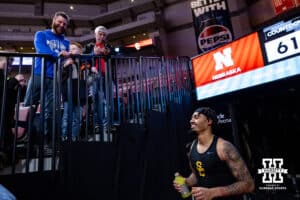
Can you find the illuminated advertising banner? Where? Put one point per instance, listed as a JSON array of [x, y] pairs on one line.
[[281, 40], [271, 54], [229, 60], [212, 24], [279, 70], [283, 5], [243, 63]]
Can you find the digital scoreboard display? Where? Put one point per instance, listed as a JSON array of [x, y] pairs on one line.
[[258, 58], [281, 40]]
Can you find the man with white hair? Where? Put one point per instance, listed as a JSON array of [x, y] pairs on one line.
[[103, 49]]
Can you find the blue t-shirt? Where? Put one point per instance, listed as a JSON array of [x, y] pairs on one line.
[[47, 42], [5, 194]]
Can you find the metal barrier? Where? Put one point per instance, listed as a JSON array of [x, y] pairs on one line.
[[147, 83], [129, 89]]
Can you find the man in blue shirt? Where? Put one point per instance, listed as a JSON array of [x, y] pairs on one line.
[[53, 43]]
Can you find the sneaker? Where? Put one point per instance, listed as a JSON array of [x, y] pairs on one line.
[[64, 138], [48, 151], [91, 139], [97, 129], [113, 128]]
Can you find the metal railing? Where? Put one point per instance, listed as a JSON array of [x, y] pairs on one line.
[[130, 88]]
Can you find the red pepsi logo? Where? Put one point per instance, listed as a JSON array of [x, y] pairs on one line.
[[213, 36]]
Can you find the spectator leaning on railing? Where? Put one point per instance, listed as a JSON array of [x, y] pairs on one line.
[[50, 42], [97, 88], [72, 83]]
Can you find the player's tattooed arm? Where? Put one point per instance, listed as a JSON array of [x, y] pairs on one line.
[[244, 182]]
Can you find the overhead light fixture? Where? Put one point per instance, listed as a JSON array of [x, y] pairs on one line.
[[137, 46], [141, 43], [71, 7]]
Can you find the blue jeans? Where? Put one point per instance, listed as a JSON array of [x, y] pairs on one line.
[[5, 194], [99, 103], [34, 90], [76, 120]]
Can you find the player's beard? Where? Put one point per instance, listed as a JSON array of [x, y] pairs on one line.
[[58, 29]]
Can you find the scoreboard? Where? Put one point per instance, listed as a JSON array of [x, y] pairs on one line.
[[281, 40], [270, 54]]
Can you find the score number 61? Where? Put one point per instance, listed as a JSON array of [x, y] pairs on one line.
[[284, 46]]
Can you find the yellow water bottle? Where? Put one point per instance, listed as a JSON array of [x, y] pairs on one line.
[[181, 181]]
